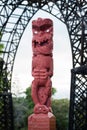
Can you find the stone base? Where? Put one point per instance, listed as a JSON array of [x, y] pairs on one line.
[[42, 122]]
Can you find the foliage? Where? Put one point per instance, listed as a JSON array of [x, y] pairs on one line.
[[4, 82], [20, 113], [1, 77], [29, 100], [23, 107], [0, 35], [1, 48], [53, 91], [61, 110], [1, 64], [1, 45], [3, 72]]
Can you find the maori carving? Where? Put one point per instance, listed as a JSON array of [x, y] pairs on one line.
[[42, 64]]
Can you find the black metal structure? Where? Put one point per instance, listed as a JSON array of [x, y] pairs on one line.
[[14, 18]]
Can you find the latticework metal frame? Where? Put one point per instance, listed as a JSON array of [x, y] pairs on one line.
[[14, 18]]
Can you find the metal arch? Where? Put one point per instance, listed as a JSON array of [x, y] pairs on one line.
[[75, 18], [13, 30], [74, 15], [78, 37], [68, 13], [6, 9]]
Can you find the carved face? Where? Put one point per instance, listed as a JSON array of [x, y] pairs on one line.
[[42, 33]]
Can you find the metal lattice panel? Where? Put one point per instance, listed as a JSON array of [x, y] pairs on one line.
[[78, 113], [6, 118], [14, 18]]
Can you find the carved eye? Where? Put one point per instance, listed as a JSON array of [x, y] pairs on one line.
[[35, 32], [47, 30]]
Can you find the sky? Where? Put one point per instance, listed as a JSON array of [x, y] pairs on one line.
[[62, 57]]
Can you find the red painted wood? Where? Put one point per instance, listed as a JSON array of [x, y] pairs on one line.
[[42, 122], [42, 64], [42, 71]]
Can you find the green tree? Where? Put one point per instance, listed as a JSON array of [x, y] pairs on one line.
[[3, 72], [23, 107], [1, 48], [0, 35], [53, 91], [1, 63], [20, 113], [61, 110], [29, 100], [1, 45]]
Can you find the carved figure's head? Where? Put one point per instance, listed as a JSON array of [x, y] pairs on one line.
[[42, 33]]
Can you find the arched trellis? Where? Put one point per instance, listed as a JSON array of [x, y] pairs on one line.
[[14, 17]]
